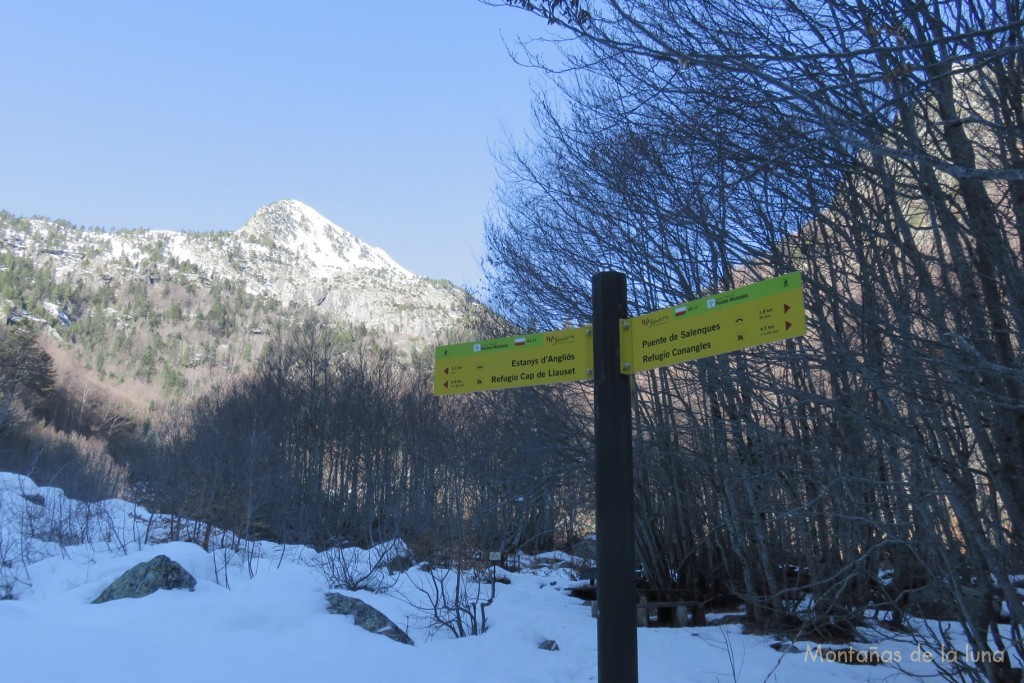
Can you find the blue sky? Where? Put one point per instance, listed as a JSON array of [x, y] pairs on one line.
[[191, 115]]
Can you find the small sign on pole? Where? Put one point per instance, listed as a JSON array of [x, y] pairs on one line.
[[767, 311], [522, 361]]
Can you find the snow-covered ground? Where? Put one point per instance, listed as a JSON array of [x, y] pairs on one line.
[[258, 614]]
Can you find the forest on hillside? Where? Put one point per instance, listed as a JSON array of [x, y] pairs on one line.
[[867, 473]]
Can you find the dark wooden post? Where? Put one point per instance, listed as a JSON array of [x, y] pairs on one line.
[[616, 578]]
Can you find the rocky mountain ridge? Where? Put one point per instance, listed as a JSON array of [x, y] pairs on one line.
[[287, 252]]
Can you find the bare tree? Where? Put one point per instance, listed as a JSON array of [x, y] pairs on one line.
[[876, 146]]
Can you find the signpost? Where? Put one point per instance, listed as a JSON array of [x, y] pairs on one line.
[[613, 434], [767, 311], [609, 352], [526, 360]]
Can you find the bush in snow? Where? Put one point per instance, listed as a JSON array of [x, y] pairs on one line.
[[355, 569]]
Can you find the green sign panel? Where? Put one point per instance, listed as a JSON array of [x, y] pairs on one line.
[[766, 311], [526, 360], [760, 313]]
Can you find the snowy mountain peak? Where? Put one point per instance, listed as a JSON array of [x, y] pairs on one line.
[[328, 249], [287, 251]]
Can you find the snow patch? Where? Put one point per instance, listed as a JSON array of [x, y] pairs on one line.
[[259, 614]]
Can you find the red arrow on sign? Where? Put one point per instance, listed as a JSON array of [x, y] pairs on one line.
[[788, 324], [446, 371], [785, 308]]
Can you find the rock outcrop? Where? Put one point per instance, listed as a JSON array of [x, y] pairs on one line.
[[146, 578], [369, 618]]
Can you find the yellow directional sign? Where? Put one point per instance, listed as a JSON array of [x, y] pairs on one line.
[[545, 358], [763, 312]]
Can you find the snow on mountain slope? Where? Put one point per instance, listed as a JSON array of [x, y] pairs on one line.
[[297, 228], [287, 251]]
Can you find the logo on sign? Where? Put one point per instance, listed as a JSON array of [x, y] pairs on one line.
[[556, 339], [654, 321]]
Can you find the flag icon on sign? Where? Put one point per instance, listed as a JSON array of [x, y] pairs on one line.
[[681, 311], [520, 341]]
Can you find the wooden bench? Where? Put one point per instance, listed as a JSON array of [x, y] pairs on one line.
[[664, 608], [662, 612]]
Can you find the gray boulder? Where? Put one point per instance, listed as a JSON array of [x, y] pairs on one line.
[[369, 618], [148, 577], [786, 648]]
